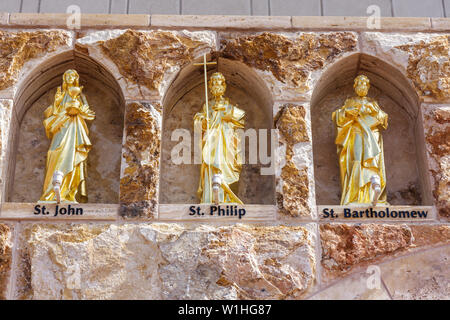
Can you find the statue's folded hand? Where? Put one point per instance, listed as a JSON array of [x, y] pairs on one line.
[[352, 113]]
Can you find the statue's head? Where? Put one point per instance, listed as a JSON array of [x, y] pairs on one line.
[[361, 85], [71, 78], [217, 84]]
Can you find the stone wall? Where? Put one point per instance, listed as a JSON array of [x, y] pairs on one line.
[[288, 74]]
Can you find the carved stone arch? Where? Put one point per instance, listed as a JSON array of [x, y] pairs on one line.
[[183, 99], [28, 144], [406, 164]]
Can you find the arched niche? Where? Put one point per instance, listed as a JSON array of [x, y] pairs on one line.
[[404, 144], [183, 99], [29, 144]]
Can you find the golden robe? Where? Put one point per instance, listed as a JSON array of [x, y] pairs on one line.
[[360, 149], [69, 147], [220, 149]]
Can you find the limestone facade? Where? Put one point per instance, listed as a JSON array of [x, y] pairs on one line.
[[287, 74]]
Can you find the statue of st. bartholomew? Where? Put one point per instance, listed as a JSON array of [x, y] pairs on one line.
[[360, 147]]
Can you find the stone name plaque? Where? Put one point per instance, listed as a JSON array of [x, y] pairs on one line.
[[212, 213], [377, 213], [63, 211]]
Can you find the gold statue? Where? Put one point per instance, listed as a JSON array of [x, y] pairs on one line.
[[65, 125], [221, 162], [360, 147]]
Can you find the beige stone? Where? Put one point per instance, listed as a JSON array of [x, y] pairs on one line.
[[5, 258], [165, 261], [139, 181], [421, 276], [229, 22], [87, 20], [4, 18], [405, 23], [361, 23], [440, 24], [353, 287], [329, 23], [115, 20]]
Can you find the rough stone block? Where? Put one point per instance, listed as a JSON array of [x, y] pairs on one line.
[[345, 246], [293, 59], [5, 258], [437, 136], [152, 53], [165, 261], [18, 47], [139, 183], [423, 57]]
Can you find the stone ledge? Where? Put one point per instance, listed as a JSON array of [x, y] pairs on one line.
[[440, 24], [87, 20], [4, 17], [229, 22], [360, 23], [211, 21]]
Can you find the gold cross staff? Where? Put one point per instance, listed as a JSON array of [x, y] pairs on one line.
[[205, 71]]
